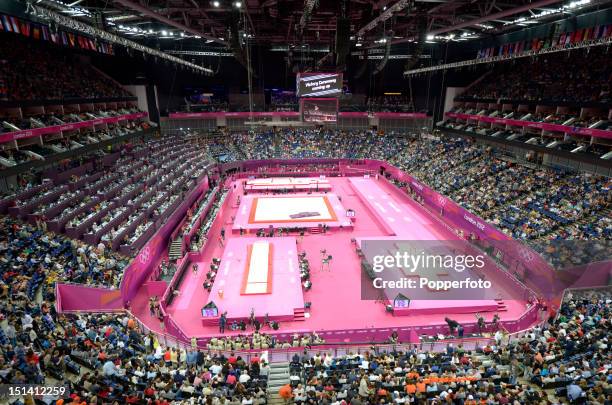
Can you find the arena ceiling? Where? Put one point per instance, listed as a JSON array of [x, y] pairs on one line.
[[312, 23]]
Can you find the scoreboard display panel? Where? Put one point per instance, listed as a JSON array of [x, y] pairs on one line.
[[319, 109], [319, 84]]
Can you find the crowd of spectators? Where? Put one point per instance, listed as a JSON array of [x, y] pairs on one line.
[[547, 203], [390, 103], [35, 70], [106, 359], [260, 340], [554, 139], [548, 79], [287, 101], [305, 143], [284, 101], [566, 360], [31, 257], [115, 206], [52, 118], [71, 140]]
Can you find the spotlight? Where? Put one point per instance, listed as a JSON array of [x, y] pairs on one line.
[[237, 4], [215, 3], [430, 37], [164, 33]]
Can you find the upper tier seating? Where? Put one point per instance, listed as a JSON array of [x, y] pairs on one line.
[[547, 78], [36, 70]]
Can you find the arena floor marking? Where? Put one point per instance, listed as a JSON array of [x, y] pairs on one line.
[[336, 310]]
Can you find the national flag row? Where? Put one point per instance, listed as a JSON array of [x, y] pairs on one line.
[[566, 38], [43, 32]]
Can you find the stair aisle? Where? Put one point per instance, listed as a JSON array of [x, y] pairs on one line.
[[176, 249], [279, 376]]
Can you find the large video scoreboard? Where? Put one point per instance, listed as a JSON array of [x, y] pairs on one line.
[[318, 93], [319, 109], [319, 84]]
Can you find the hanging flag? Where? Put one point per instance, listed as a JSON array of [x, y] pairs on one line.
[[24, 27], [71, 39], [527, 46], [6, 23], [15, 24], [555, 41], [64, 38], [36, 32], [603, 31], [595, 34], [45, 33]]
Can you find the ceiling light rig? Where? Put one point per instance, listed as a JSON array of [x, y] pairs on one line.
[[388, 13], [96, 33], [570, 7], [66, 8]]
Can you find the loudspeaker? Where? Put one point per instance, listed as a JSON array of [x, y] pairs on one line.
[[381, 65], [343, 38], [422, 36]]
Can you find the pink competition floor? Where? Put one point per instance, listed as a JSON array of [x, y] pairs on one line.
[[285, 293], [259, 211], [335, 296]]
